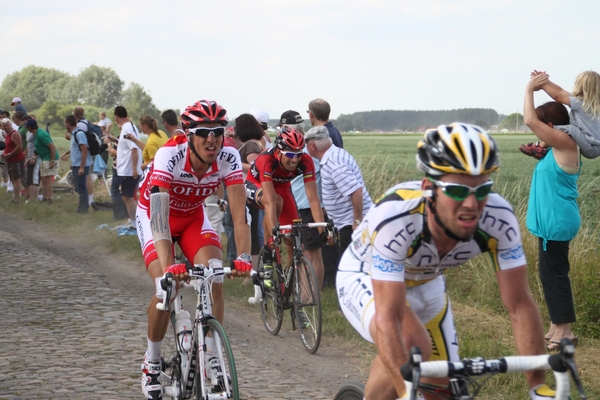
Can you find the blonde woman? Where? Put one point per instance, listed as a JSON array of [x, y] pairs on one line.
[[156, 138]]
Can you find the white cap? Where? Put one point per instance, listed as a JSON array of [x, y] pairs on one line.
[[261, 115]]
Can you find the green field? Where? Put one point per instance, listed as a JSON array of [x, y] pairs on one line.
[[482, 323]]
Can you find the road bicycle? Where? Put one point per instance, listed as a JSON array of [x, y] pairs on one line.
[[202, 363], [467, 377], [295, 287]]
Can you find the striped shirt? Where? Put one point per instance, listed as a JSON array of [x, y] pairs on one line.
[[340, 177]]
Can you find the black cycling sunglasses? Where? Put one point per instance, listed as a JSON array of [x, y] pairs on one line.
[[204, 132]]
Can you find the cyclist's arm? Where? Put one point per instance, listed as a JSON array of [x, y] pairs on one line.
[[237, 206], [313, 199], [159, 223], [524, 316], [387, 328], [269, 203]]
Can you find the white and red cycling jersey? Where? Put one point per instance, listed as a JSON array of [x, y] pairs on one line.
[[171, 169]]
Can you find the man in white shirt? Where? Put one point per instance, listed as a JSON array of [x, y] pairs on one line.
[[345, 196], [129, 160]]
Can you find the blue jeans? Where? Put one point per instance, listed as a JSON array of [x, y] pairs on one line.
[[81, 188]]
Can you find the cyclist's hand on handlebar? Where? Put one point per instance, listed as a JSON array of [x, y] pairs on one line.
[[271, 243], [179, 272], [328, 237], [243, 264]]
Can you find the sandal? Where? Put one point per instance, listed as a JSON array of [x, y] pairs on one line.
[[555, 346]]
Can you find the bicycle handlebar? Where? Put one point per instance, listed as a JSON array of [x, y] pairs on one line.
[[298, 224], [198, 271], [559, 363]]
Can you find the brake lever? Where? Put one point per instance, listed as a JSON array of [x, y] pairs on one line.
[[167, 285]]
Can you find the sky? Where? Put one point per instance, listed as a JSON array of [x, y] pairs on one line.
[[278, 55]]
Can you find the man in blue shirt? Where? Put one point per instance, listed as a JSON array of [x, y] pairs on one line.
[[318, 113], [81, 161], [16, 102]]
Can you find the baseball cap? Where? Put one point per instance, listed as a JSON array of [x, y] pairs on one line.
[[316, 133], [31, 123], [15, 101], [290, 117], [261, 115]]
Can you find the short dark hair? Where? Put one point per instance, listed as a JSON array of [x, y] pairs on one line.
[[71, 120], [120, 112], [553, 112], [5, 114], [247, 128], [170, 117], [320, 109], [19, 116], [79, 113]]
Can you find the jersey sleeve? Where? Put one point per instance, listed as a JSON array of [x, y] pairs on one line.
[[308, 167], [162, 171], [231, 167], [264, 167]]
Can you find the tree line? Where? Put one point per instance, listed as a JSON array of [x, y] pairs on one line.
[[412, 121], [52, 94]]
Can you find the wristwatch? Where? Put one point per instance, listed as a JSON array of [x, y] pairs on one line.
[[357, 221]]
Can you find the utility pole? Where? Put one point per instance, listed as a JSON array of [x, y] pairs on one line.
[[517, 122]]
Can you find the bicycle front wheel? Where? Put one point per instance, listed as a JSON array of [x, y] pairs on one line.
[[271, 304], [307, 304], [219, 376], [351, 391]]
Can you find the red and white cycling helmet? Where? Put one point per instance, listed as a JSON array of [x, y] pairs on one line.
[[203, 111], [289, 138]]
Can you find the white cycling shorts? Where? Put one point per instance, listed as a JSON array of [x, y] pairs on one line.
[[429, 302]]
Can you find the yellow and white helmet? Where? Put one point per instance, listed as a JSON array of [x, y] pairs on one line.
[[457, 149]]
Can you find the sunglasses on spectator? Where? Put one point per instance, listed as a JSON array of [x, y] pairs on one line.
[[290, 154], [460, 192], [204, 132]]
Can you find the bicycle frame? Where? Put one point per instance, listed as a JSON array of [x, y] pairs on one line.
[[184, 364]]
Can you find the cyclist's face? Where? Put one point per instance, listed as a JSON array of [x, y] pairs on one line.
[[208, 148], [460, 217], [290, 163]]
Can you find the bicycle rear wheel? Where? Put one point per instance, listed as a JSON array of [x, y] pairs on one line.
[[351, 391], [271, 304], [307, 304], [220, 376]]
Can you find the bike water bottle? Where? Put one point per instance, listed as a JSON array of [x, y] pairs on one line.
[[183, 326]]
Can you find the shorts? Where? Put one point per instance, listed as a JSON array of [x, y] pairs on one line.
[[128, 185], [192, 232], [32, 173], [289, 211], [310, 236], [16, 170], [47, 171], [429, 301]]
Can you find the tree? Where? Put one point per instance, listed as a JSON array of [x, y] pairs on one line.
[[99, 86], [32, 84], [513, 122], [138, 102]]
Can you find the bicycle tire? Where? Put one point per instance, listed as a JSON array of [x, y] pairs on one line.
[[307, 299], [224, 354], [171, 362], [351, 391], [271, 303]]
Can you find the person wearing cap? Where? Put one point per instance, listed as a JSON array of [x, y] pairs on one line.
[[345, 196], [318, 113], [263, 119], [14, 156], [44, 147], [16, 102]]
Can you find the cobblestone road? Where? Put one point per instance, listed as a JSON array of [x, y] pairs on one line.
[[67, 334]]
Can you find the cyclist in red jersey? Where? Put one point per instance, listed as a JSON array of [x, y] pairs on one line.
[[268, 185], [184, 172]]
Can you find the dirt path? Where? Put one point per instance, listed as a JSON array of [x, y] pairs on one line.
[[110, 295]]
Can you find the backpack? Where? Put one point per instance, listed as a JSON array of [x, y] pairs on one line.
[[93, 136]]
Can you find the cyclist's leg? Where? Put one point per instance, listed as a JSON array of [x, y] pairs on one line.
[[287, 213], [312, 244]]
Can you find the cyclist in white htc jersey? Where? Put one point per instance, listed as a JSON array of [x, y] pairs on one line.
[[390, 281]]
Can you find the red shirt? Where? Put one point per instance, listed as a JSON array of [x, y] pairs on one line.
[[266, 168], [10, 146]]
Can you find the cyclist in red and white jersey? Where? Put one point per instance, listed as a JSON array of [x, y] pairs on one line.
[[188, 168], [390, 281]]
